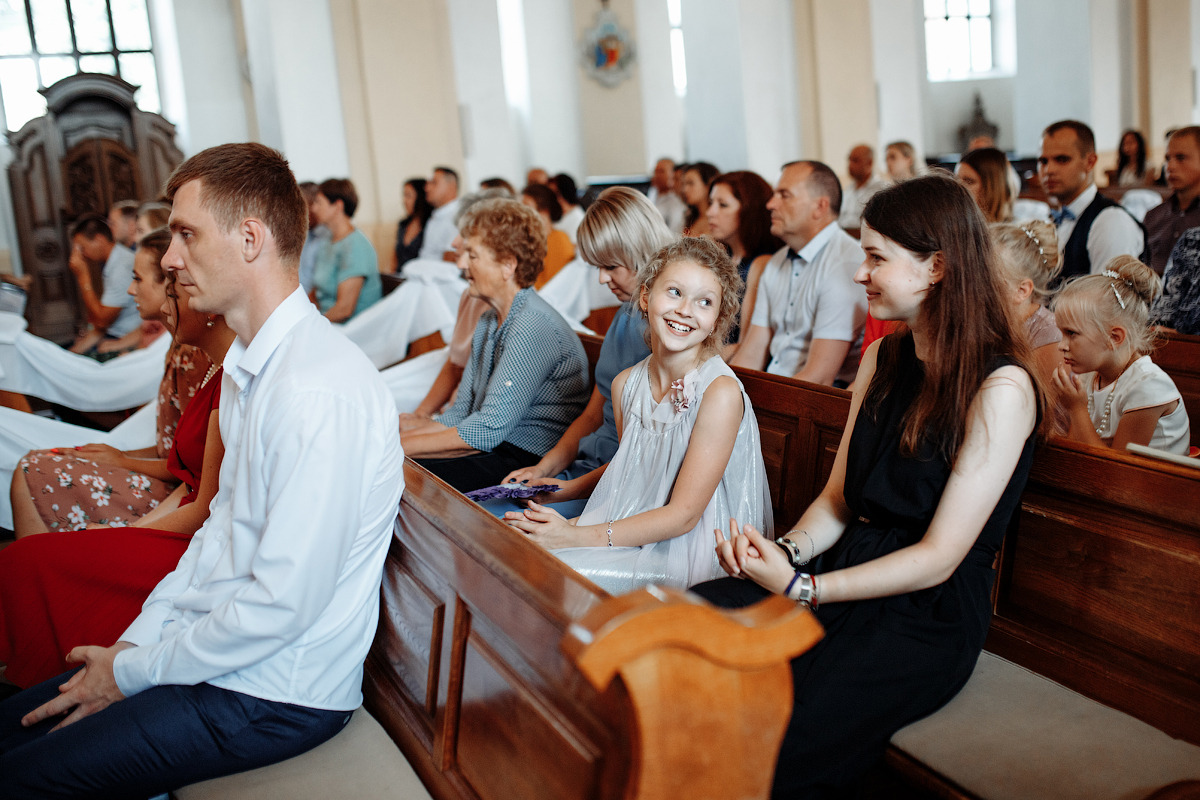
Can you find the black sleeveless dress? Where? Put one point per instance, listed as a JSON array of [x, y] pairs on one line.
[[889, 661]]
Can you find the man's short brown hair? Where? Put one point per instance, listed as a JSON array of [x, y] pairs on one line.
[[240, 181], [1083, 134]]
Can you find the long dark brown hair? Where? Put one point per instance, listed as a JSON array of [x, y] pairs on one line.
[[966, 313]]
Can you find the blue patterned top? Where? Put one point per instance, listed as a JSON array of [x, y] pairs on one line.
[[1179, 305], [526, 381]]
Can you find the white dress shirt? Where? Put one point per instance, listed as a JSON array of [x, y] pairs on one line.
[[569, 224], [1114, 232], [277, 595], [812, 296], [673, 210], [440, 231], [854, 200]]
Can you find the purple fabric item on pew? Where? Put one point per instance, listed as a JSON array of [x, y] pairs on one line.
[[510, 491]]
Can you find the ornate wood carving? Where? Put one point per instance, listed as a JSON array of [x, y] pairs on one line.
[[93, 148]]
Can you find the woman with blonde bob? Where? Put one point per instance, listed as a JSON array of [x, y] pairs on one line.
[[619, 234]]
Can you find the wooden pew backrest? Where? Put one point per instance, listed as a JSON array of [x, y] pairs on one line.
[[1099, 585], [469, 675], [800, 425], [1179, 356]]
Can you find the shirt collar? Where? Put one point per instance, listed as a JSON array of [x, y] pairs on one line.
[[1080, 204], [245, 360], [815, 244], [1174, 201]]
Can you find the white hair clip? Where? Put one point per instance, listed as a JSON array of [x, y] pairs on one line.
[[1033, 238], [1108, 273]]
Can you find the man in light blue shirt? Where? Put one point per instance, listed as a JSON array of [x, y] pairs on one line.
[[251, 651]]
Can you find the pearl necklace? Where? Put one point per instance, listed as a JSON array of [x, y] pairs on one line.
[[1112, 390], [212, 370]]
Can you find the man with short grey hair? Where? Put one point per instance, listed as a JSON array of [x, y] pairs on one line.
[[809, 312]]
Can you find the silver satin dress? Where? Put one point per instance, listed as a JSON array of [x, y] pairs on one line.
[[642, 475]]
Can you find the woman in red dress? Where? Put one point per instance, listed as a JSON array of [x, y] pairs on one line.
[[61, 589]]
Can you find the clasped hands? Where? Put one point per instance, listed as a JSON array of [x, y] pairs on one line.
[[1068, 387], [749, 554], [89, 690]]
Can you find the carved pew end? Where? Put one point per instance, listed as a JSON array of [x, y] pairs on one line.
[[696, 674]]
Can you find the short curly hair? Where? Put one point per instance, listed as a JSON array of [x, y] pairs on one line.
[[707, 254], [510, 230]]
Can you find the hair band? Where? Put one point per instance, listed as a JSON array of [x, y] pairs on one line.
[[1033, 238]]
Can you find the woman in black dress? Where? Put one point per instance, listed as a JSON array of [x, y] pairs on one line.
[[899, 546], [410, 234]]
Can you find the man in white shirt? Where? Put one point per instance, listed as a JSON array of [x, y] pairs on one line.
[[251, 651], [861, 166], [809, 312], [1092, 229], [441, 190], [662, 195]]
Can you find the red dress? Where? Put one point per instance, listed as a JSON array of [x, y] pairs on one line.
[[62, 589]]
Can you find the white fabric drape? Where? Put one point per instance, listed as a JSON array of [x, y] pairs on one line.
[[38, 367]]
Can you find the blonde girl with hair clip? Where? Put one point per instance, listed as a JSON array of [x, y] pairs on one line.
[[1112, 392], [1027, 254], [689, 456]]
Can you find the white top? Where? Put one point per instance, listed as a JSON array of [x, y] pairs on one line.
[[569, 224], [654, 441], [277, 595], [118, 274], [1113, 233], [1143, 384], [812, 296], [854, 200], [440, 231], [671, 207]]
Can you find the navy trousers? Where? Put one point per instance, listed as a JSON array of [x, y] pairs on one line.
[[154, 742]]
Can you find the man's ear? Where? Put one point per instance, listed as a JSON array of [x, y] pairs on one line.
[[253, 234], [1090, 161]]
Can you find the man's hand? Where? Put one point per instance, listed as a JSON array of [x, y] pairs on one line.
[[79, 266], [91, 689]]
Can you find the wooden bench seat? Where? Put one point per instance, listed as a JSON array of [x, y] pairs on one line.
[[478, 673], [360, 762], [1012, 734]]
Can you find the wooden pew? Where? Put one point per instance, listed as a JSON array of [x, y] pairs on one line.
[[500, 672], [1179, 356]]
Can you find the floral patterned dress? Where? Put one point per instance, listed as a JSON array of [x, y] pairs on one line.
[[70, 491]]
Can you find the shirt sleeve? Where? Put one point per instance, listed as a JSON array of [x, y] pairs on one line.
[[117, 277], [1113, 233], [762, 298], [315, 502], [531, 352], [842, 305]]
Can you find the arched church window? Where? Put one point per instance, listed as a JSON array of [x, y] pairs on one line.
[[44, 41], [958, 38]]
